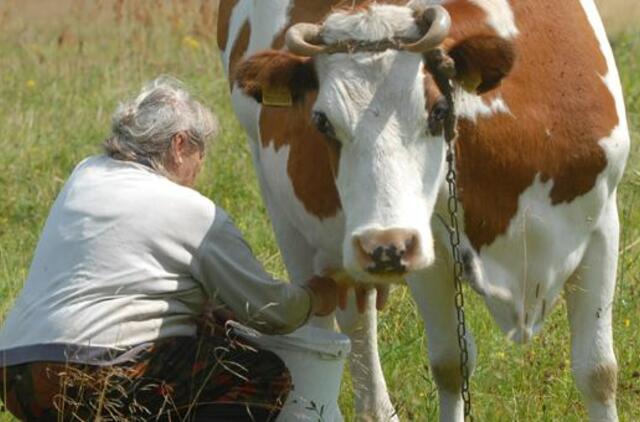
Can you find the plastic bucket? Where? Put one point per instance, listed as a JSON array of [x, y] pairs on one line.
[[315, 357]]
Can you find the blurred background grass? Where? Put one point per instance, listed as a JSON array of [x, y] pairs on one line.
[[64, 64]]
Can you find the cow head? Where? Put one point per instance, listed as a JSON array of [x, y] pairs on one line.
[[377, 103]]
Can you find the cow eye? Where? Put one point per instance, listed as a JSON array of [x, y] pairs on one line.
[[437, 116], [323, 124]]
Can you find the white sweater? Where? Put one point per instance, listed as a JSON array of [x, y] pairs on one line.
[[127, 257]]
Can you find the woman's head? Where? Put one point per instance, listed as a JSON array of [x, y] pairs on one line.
[[164, 128]]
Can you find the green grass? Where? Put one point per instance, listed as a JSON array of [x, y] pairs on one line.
[[60, 79]]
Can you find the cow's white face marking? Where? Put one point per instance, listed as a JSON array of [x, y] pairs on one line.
[[390, 169]]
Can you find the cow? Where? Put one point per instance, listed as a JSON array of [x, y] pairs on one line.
[[344, 102]]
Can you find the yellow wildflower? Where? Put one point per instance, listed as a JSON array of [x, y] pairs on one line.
[[31, 84], [627, 322], [191, 42]]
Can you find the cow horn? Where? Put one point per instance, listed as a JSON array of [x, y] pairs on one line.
[[304, 40], [439, 22]]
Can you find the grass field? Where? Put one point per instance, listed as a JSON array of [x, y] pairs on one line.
[[65, 64]]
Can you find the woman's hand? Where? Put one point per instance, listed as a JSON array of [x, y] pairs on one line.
[[362, 291], [324, 295]]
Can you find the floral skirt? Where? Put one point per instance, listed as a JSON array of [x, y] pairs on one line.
[[185, 378]]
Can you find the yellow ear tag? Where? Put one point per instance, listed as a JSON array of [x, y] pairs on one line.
[[471, 81], [277, 96]]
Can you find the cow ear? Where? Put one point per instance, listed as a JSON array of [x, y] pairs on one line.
[[482, 62], [276, 72]]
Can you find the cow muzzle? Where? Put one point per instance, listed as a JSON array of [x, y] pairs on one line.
[[393, 252]]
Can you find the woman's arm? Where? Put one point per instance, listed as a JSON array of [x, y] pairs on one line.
[[230, 272]]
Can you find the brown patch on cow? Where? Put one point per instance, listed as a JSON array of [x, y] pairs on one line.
[[313, 11], [224, 20], [603, 382], [312, 164], [467, 20], [240, 47], [276, 69], [447, 376], [560, 110]]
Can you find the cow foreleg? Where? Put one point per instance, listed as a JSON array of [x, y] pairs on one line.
[[589, 303], [372, 400], [433, 292]]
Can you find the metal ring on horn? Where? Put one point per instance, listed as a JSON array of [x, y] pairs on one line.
[[437, 33], [303, 39]]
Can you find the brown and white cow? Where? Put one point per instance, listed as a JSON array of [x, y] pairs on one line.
[[352, 169]]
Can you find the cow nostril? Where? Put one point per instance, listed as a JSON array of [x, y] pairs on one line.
[[378, 254]]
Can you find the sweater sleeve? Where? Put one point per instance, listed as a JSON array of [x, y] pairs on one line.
[[229, 272]]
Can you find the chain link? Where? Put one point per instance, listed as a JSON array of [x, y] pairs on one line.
[[454, 238]]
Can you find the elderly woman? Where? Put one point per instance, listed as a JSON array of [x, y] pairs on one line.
[[105, 326]]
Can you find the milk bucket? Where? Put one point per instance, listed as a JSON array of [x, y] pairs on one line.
[[315, 357]]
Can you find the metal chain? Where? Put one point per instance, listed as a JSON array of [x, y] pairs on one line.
[[454, 238]]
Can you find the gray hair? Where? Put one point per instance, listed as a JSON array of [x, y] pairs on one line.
[[142, 128]]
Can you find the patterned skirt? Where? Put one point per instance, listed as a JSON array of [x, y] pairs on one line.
[[212, 378]]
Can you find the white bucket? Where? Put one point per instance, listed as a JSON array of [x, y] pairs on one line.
[[315, 357]]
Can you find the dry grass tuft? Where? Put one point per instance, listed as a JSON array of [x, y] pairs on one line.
[[197, 17]]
